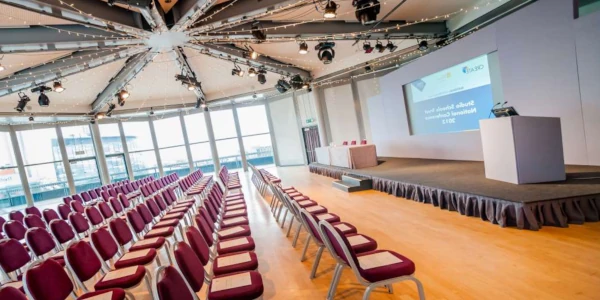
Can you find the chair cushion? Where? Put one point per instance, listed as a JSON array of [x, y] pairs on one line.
[[403, 268], [234, 186], [228, 233], [117, 294], [329, 217], [252, 291], [235, 213], [138, 261], [155, 244], [166, 223], [222, 248], [245, 266], [235, 206], [361, 243], [307, 203], [173, 215], [346, 228], [232, 222], [160, 232], [123, 282]]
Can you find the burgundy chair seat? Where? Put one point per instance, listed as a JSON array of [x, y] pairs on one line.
[[276, 180], [294, 194], [288, 189], [195, 191], [234, 186], [300, 198], [155, 233], [249, 246], [226, 224], [16, 284], [166, 223], [234, 214], [232, 207], [317, 210], [404, 268], [117, 294], [329, 217], [245, 232], [245, 266], [252, 291], [362, 247], [157, 243], [234, 197], [138, 261], [234, 200], [350, 229], [307, 203], [173, 216], [179, 210], [123, 282]]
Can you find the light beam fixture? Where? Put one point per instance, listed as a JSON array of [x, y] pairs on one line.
[[330, 10], [303, 48], [262, 78], [57, 86], [326, 52], [252, 72]]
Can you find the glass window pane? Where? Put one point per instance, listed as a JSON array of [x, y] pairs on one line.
[[117, 169], [259, 150], [175, 160], [85, 174], [229, 153], [78, 141], [39, 146], [223, 124], [137, 136], [144, 164], [111, 138], [7, 155], [196, 128], [253, 120], [11, 190], [168, 132], [47, 181], [202, 156]]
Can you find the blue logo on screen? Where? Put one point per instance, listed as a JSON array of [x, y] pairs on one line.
[[468, 70]]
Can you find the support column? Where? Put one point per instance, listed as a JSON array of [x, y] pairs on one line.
[[65, 159], [299, 122], [358, 110], [21, 167], [100, 156], [161, 171], [188, 149], [126, 152], [211, 141], [240, 141], [272, 134], [322, 120]]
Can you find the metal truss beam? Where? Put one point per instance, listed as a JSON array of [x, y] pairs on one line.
[[182, 63], [154, 17], [75, 63], [234, 54], [133, 66], [193, 10], [97, 14]]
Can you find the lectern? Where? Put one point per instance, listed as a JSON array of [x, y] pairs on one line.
[[523, 149]]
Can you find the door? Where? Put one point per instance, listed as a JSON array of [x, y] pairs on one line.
[[312, 141]]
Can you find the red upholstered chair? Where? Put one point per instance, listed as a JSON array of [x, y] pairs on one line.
[[353, 142], [13, 257], [33, 211], [345, 143], [80, 224], [224, 246], [8, 292], [169, 284], [64, 210], [84, 264], [106, 210], [14, 230], [105, 195], [2, 221], [62, 231], [77, 206], [48, 280], [86, 197], [33, 221], [124, 201], [95, 194], [94, 216], [42, 245], [77, 198], [117, 207], [140, 227], [67, 200], [363, 142], [108, 249], [368, 266], [49, 215], [122, 233], [16, 215]]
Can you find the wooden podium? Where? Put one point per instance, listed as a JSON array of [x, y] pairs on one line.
[[522, 149]]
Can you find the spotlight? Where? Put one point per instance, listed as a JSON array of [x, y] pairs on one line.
[[258, 32], [367, 47], [282, 86], [368, 68], [330, 10], [252, 72], [2, 68], [423, 46], [237, 70], [253, 54], [262, 78], [326, 52], [23, 99], [31, 119], [366, 10], [100, 116], [43, 100], [297, 82], [58, 87], [121, 96], [379, 46], [390, 46], [151, 111], [111, 107], [303, 48], [306, 85], [92, 121], [191, 87]]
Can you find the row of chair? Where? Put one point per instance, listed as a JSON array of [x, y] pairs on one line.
[[230, 180], [372, 267], [353, 142]]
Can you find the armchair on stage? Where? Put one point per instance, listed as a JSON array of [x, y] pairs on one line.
[[522, 149]]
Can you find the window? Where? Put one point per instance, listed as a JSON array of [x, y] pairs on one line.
[[11, 189], [254, 127], [226, 138], [169, 138], [43, 164], [113, 151], [82, 157], [141, 149], [199, 146], [586, 7]]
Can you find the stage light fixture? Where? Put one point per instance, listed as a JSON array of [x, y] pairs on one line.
[[2, 68], [258, 32], [122, 96], [253, 54], [366, 11], [151, 111], [100, 116], [297, 82], [380, 47], [252, 72], [31, 119], [237, 71], [262, 78], [423, 46], [111, 107], [191, 87], [306, 85], [326, 53], [303, 48], [201, 103], [367, 47], [23, 99], [43, 99], [57, 86], [390, 46], [330, 10], [282, 86]]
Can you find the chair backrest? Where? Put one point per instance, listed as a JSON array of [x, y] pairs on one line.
[[205, 229], [62, 231], [49, 215], [120, 230], [13, 255], [83, 261], [353, 142], [116, 205], [14, 230], [153, 207], [124, 200], [94, 194], [47, 280], [33, 221], [104, 243], [105, 209], [2, 221], [86, 197], [136, 221], [143, 210], [16, 215], [39, 241], [64, 210], [345, 143], [67, 200], [337, 244], [190, 265], [79, 223], [77, 206], [311, 222], [77, 198], [160, 202], [32, 210], [169, 284], [198, 244], [105, 195], [11, 293], [94, 215]]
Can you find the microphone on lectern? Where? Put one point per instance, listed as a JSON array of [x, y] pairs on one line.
[[504, 103], [492, 110]]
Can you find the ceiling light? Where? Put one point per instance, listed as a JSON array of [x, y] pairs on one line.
[[303, 48], [252, 72], [330, 10], [423, 46], [43, 100], [379, 46], [326, 52], [282, 86], [258, 32], [191, 87], [151, 111], [390, 46], [366, 11], [122, 95], [253, 54], [237, 70], [111, 107], [100, 116], [31, 119], [23, 99], [297, 82], [58, 87], [367, 47], [262, 78], [2, 68]]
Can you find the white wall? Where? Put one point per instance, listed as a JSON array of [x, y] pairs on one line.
[[368, 90], [307, 109], [537, 56], [341, 114], [287, 133]]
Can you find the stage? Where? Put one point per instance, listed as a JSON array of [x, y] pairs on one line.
[[461, 186]]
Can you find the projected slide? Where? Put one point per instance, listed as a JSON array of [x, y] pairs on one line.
[[451, 100]]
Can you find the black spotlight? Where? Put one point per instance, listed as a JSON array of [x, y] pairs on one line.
[[330, 10], [122, 96], [200, 102], [423, 46], [297, 82], [58, 87], [111, 107], [258, 32], [151, 111], [237, 71], [390, 46], [326, 52], [379, 46], [367, 47], [23, 99], [303, 48], [282, 86], [262, 78], [31, 119], [252, 72], [366, 10], [43, 100]]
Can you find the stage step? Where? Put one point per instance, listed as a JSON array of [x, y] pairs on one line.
[[351, 184]]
